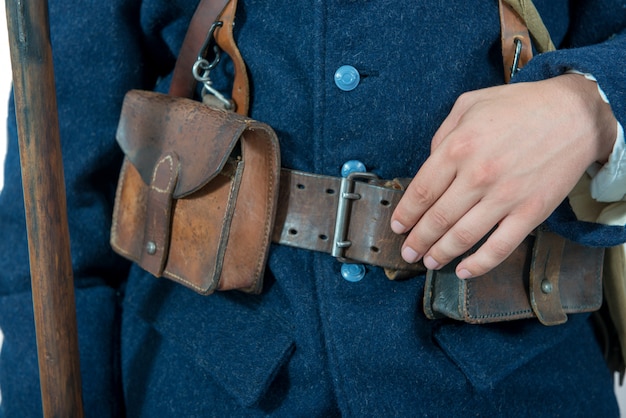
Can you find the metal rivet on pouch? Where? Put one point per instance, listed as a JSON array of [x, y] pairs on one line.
[[546, 287], [151, 247]]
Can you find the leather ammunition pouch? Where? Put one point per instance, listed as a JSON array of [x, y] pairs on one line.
[[546, 277], [197, 193]]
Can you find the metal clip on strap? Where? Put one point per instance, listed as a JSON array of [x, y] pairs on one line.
[[202, 67], [516, 47]]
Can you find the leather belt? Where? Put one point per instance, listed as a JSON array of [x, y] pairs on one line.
[[206, 219], [347, 217]]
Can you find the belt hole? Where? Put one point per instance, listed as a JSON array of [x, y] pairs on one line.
[[330, 191], [293, 231], [374, 249], [323, 237], [385, 202], [300, 186]]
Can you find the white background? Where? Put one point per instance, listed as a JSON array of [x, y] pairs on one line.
[[5, 83]]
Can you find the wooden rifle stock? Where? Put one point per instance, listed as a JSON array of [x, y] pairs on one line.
[[44, 199]]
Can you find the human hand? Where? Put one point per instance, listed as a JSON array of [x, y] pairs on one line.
[[504, 157]]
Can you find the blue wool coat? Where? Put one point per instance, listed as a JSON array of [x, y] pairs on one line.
[[312, 344]]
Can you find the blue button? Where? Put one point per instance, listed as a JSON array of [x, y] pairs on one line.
[[347, 77], [352, 166], [353, 272]]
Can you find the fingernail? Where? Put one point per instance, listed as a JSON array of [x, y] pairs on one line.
[[397, 227], [431, 263], [464, 274], [410, 255]]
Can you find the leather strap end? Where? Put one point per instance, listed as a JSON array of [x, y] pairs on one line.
[[157, 228], [513, 29], [544, 290]]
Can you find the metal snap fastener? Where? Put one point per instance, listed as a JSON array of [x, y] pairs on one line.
[[352, 166], [347, 78], [151, 247], [546, 287], [353, 272]]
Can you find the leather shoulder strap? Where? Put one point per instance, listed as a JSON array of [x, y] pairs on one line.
[[531, 18], [207, 12], [514, 35], [520, 20], [225, 39]]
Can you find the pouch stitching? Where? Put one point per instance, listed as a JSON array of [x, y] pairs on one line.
[[211, 287], [496, 315]]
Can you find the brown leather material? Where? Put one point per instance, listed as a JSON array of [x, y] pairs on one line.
[[513, 28], [207, 12], [225, 40], [219, 199], [545, 297], [157, 227], [503, 294], [307, 214], [183, 82], [210, 226], [150, 123]]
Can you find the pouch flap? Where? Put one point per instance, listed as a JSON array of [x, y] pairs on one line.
[[153, 124]]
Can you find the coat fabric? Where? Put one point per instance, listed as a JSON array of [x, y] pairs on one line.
[[312, 344]]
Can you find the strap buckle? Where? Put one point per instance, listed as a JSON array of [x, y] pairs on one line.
[[346, 197]]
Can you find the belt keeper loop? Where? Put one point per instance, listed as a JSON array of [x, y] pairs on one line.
[[346, 196]]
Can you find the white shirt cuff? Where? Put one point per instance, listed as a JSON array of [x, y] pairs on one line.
[[608, 181]]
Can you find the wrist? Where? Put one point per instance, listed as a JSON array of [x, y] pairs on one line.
[[592, 102]]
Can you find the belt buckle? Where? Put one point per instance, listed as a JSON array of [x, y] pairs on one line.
[[346, 197]]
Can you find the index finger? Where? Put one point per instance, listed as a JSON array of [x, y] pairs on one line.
[[428, 185]]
